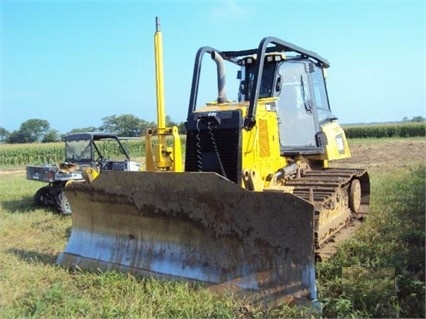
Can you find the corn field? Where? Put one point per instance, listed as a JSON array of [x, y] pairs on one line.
[[37, 153], [386, 130], [50, 153]]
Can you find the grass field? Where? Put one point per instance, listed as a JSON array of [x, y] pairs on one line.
[[378, 273]]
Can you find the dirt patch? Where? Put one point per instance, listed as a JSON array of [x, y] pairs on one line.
[[15, 172], [386, 154]]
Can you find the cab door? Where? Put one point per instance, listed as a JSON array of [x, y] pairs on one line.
[[299, 123]]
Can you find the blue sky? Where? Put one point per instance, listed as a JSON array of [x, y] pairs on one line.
[[73, 63]]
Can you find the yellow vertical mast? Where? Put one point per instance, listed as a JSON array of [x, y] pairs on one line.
[[161, 118], [159, 156]]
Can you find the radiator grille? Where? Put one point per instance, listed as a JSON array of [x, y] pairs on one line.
[[201, 154]]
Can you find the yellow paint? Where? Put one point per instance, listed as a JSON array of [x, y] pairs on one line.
[[260, 146], [159, 156]]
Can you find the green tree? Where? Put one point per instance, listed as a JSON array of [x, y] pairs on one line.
[[84, 129], [181, 126], [125, 125], [17, 137], [418, 119], [32, 130], [51, 136], [4, 134], [170, 122]]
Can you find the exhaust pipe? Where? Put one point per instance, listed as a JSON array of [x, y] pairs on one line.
[[221, 79]]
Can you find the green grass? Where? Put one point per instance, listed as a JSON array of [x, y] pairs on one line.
[[112, 295], [393, 238], [33, 286]]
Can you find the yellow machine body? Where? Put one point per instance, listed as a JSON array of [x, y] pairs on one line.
[[260, 151]]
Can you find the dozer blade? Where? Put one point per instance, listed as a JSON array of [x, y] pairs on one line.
[[195, 226]]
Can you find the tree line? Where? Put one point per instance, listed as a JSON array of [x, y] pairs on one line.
[[125, 125]]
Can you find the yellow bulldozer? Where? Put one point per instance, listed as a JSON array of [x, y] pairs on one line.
[[254, 202]]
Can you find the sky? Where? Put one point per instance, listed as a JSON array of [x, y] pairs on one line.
[[73, 63]]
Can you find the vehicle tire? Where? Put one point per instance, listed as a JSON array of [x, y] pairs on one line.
[[355, 196], [42, 197], [62, 204]]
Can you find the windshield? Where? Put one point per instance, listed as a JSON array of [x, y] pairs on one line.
[[110, 148], [78, 151]]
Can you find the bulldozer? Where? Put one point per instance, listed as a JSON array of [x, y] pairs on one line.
[[254, 201]]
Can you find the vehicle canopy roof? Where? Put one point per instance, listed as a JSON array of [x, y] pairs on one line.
[[94, 136]]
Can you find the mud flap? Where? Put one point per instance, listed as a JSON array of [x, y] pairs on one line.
[[194, 226]]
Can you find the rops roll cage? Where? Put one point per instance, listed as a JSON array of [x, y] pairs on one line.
[[234, 57]]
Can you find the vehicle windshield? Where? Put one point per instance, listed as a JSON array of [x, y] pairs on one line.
[[78, 151], [109, 148]]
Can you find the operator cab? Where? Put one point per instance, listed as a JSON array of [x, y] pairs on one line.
[[302, 102]]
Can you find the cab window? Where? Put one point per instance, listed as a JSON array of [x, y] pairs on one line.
[[320, 95]]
